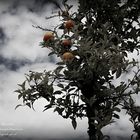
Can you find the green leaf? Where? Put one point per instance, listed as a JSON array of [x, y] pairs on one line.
[[60, 85], [38, 76], [19, 96], [71, 89], [18, 106], [29, 105], [59, 110], [18, 91], [131, 101], [64, 2], [51, 53], [59, 100], [60, 63], [57, 92], [124, 53], [58, 69], [22, 85], [118, 73], [92, 100], [116, 116], [47, 107], [74, 123], [116, 109], [50, 89]]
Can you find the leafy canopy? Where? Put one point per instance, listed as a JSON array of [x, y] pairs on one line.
[[103, 35]]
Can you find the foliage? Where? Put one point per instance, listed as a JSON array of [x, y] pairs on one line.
[[103, 35]]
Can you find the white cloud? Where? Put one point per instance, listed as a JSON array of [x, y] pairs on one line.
[[23, 39], [23, 44], [34, 123]]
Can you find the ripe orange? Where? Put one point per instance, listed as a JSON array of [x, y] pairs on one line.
[[69, 24], [48, 36], [67, 56], [66, 42]]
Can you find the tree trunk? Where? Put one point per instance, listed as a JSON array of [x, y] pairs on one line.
[[88, 93], [90, 111], [91, 129]]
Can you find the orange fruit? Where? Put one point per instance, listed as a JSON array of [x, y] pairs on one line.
[[67, 56], [69, 24], [48, 36], [66, 42]]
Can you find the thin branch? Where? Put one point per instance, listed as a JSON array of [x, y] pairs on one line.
[[51, 17], [130, 83], [44, 29]]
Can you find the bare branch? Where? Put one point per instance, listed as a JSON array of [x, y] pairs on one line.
[[44, 29], [51, 17]]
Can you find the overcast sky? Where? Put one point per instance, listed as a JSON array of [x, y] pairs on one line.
[[19, 53]]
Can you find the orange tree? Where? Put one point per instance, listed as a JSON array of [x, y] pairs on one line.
[[93, 51]]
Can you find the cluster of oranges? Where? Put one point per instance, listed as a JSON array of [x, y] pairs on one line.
[[49, 36]]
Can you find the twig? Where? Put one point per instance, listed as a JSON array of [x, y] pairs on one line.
[[51, 17], [44, 29]]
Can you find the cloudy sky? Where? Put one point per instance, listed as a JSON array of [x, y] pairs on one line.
[[19, 53]]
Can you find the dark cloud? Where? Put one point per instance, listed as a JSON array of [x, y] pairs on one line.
[[31, 5], [2, 36], [13, 64], [39, 4], [11, 9]]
